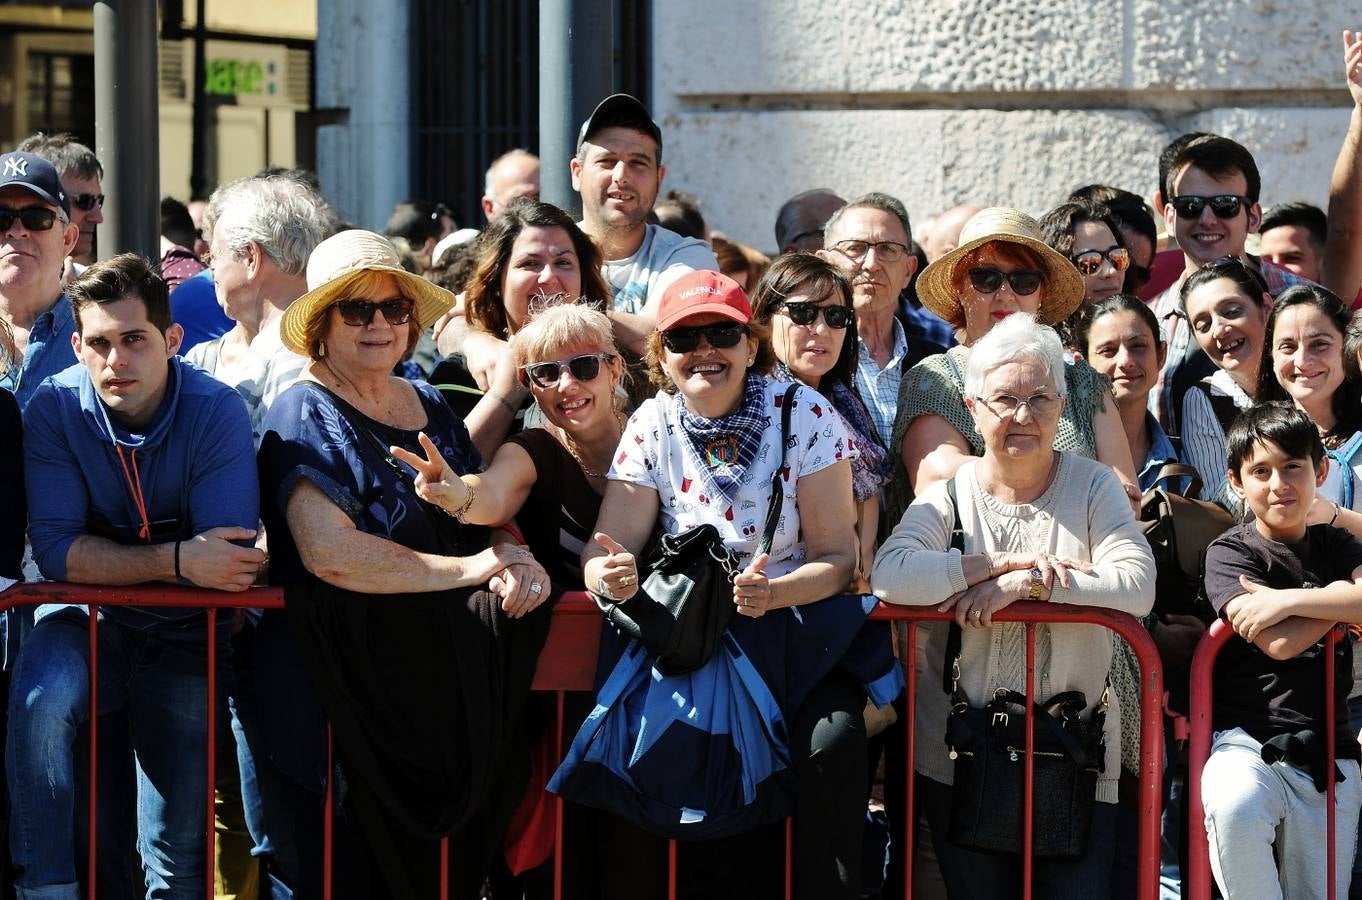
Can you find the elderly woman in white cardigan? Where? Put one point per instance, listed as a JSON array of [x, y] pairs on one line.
[[1037, 524]]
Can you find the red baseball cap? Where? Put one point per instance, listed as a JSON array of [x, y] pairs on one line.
[[702, 292]]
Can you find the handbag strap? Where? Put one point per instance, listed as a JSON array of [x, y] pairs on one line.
[[950, 672], [777, 501], [1179, 470]]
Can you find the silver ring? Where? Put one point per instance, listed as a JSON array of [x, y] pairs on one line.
[[977, 613], [535, 587]]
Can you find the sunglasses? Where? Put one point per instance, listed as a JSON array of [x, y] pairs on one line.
[[987, 280], [1089, 262], [807, 314], [1225, 206], [396, 311], [35, 218], [583, 368], [721, 336], [87, 202]]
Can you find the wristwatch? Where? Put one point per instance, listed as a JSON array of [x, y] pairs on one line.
[[1037, 582]]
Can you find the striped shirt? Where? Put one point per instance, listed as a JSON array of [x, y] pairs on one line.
[[879, 388]]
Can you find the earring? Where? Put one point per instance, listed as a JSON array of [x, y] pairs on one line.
[[321, 349]]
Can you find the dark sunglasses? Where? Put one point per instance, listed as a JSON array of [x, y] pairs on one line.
[[987, 280], [807, 314], [1089, 262], [721, 336], [87, 202], [396, 311], [584, 368], [35, 218], [1225, 206]]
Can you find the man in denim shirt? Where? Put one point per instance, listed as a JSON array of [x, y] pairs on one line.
[[36, 237]]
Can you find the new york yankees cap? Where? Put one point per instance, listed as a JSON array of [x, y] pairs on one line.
[[19, 169]]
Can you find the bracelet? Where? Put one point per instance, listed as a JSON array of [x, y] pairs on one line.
[[178, 576], [510, 407], [467, 503], [1334, 517]]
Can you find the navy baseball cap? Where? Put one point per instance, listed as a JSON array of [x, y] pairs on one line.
[[26, 170], [620, 110]]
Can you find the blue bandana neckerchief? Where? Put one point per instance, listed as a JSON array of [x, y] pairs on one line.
[[722, 449]]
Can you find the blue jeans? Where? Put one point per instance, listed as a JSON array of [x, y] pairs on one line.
[[160, 679], [980, 876]]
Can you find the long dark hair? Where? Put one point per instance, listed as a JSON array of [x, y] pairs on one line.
[[794, 272], [1346, 402], [484, 307]]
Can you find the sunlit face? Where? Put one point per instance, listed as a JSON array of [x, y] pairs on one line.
[[31, 259], [575, 405], [126, 356], [1228, 325], [366, 350], [1025, 431], [231, 276], [1290, 247], [1279, 489], [983, 311], [1106, 281], [84, 219], [542, 263], [1209, 237], [516, 177], [1121, 346], [808, 351], [710, 379], [875, 282], [1307, 354], [618, 178]]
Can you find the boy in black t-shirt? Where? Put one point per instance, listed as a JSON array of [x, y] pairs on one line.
[[1283, 584]]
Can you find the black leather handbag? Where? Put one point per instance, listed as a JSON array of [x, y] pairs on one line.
[[988, 745], [685, 600]]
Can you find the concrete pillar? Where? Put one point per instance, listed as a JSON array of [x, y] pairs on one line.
[[576, 71]]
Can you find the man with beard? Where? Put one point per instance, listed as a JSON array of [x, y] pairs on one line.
[[870, 240], [618, 171]]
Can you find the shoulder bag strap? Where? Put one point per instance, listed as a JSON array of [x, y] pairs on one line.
[[777, 501], [950, 679]]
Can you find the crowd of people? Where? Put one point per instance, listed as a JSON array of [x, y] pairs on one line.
[[427, 437]]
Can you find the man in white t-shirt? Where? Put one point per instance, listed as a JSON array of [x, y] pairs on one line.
[[618, 171]]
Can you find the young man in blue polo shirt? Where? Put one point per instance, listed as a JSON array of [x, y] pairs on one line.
[[143, 470]]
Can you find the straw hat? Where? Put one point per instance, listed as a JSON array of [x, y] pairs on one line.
[[1063, 285], [334, 267]]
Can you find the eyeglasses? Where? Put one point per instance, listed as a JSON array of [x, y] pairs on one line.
[[1089, 262], [35, 218], [987, 280], [396, 311], [885, 251], [1225, 206], [584, 368], [721, 336], [1006, 406], [807, 314], [87, 202]]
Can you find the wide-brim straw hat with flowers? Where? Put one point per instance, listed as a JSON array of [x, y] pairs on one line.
[[334, 267], [1063, 285]]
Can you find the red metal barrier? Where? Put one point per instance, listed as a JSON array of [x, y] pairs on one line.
[[1197, 874], [568, 663]]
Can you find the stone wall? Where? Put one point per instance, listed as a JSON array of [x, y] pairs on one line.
[[986, 101]]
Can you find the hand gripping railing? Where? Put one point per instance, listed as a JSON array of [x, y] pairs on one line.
[[568, 663], [1198, 870]]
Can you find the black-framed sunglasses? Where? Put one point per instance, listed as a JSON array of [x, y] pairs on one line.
[[1225, 206], [87, 202], [584, 367], [397, 311], [721, 336], [1089, 262], [837, 316], [35, 218], [987, 280]]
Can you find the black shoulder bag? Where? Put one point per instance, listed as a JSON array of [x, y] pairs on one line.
[[685, 599], [988, 745]]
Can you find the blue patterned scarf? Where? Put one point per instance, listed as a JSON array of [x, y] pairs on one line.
[[722, 449]]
